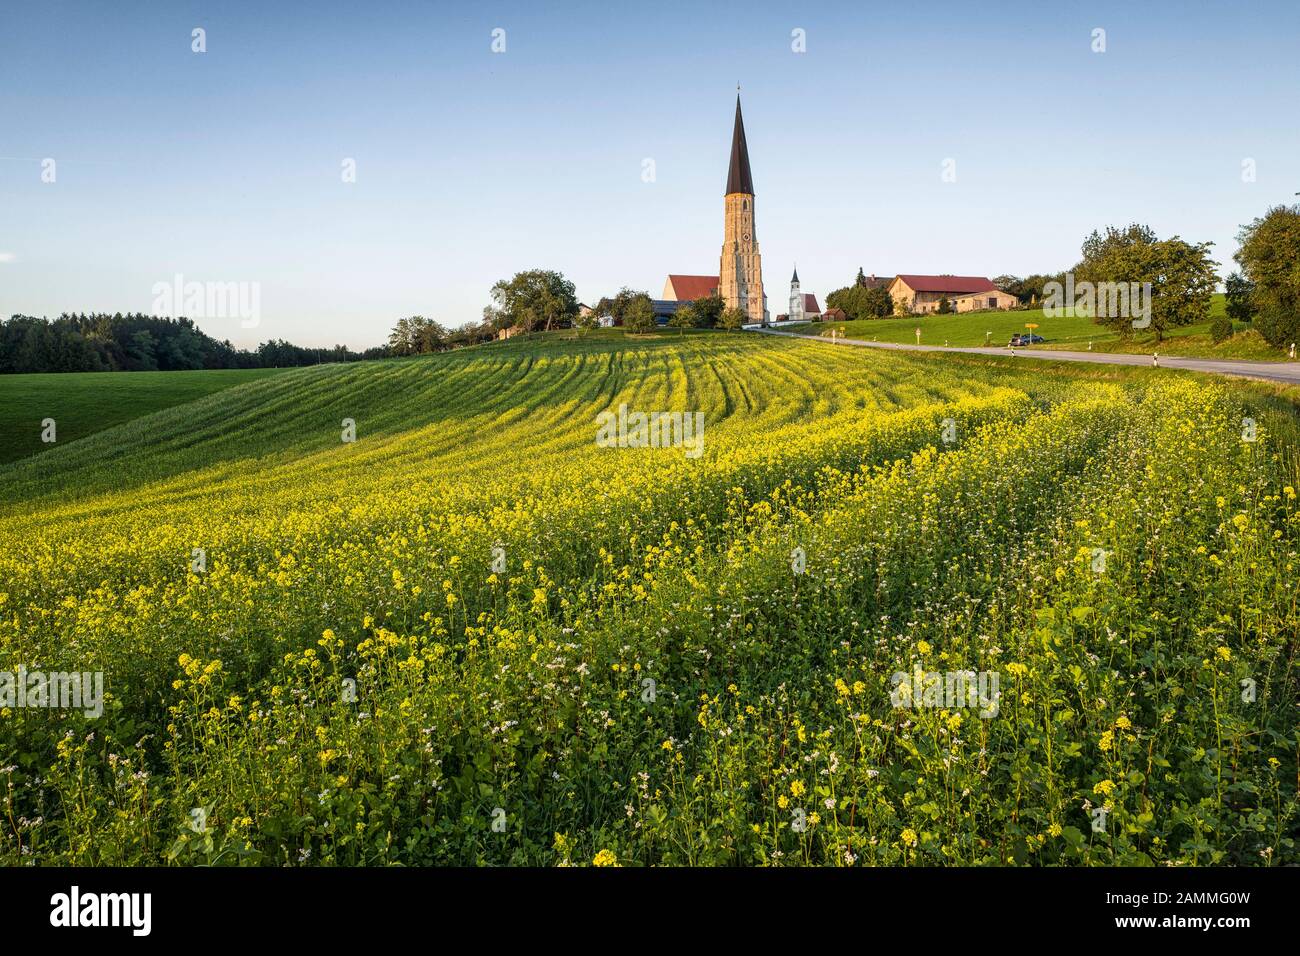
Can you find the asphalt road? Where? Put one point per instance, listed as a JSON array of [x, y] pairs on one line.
[[1271, 371]]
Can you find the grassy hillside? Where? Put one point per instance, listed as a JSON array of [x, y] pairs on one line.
[[1075, 332], [474, 635], [82, 403]]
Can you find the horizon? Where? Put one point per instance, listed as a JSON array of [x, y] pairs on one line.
[[471, 165]]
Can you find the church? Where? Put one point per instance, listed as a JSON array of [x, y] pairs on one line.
[[740, 273]]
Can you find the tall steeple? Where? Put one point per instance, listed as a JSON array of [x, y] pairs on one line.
[[739, 178], [741, 269], [796, 312]]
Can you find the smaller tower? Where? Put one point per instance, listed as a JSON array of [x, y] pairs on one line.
[[796, 298]]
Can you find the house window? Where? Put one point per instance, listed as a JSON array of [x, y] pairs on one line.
[[993, 303]]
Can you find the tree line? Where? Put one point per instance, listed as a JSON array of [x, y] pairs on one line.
[[134, 342]]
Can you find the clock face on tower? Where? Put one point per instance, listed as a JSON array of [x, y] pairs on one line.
[[745, 237]]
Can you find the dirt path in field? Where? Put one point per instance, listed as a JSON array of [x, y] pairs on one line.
[[1272, 371]]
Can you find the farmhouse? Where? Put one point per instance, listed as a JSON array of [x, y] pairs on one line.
[[922, 294]]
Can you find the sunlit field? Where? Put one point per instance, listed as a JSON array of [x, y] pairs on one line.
[[474, 636]]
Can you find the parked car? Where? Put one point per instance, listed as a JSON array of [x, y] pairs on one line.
[[1028, 338]]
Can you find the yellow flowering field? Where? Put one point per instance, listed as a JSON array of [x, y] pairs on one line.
[[475, 635]]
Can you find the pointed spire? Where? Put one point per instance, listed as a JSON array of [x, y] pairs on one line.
[[739, 179], [796, 274]]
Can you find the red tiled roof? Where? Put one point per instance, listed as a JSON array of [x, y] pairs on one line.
[[810, 305], [689, 288], [948, 283]]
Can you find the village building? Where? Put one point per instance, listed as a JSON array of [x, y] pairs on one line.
[[922, 294], [688, 288], [803, 305]]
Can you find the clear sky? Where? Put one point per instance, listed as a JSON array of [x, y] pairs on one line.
[[227, 166]]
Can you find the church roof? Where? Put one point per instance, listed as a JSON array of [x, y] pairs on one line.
[[690, 288], [810, 305], [739, 179]]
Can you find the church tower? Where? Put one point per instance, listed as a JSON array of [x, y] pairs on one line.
[[796, 299], [741, 273]]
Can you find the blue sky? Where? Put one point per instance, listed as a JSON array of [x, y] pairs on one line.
[[226, 166]]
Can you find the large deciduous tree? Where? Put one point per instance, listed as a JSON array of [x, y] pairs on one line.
[[536, 299], [1270, 257], [1181, 275]]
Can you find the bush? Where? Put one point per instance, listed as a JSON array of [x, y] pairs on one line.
[[1238, 291], [640, 316], [731, 318], [1221, 329], [1278, 325]]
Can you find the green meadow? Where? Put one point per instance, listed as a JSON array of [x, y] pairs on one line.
[[82, 403]]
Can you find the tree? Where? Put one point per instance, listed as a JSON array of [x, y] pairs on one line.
[[426, 335], [140, 352], [616, 308], [1181, 275], [1270, 258], [1220, 329], [945, 306], [639, 316], [684, 318], [1098, 245], [536, 299], [708, 310], [878, 303], [1238, 292], [401, 339], [851, 299], [859, 302], [731, 318]]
